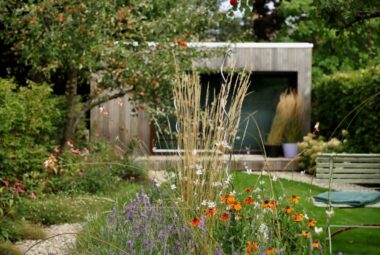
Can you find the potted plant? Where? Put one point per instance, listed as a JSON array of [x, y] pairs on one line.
[[274, 139], [293, 111]]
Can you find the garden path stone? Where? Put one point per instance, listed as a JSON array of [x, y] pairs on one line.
[[58, 245]]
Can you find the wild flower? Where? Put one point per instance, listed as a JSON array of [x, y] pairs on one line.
[[288, 209], [249, 201], [270, 251], [318, 230], [224, 217], [251, 246], [210, 212], [330, 213], [311, 223], [235, 205], [295, 199], [305, 233], [316, 244], [297, 217], [195, 222]]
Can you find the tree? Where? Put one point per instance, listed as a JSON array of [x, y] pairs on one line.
[[80, 38], [345, 33]]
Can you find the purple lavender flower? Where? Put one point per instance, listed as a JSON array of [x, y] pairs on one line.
[[218, 252]]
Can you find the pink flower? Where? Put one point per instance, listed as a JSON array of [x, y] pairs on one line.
[[5, 181], [75, 150], [20, 190], [32, 196]]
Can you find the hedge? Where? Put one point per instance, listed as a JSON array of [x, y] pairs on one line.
[[350, 101]]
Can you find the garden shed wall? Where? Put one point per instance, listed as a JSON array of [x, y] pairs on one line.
[[119, 124]]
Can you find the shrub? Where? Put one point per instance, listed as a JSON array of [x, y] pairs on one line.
[[350, 101], [8, 248], [311, 146], [95, 169], [30, 120]]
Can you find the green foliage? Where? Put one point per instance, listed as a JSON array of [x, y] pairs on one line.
[[52, 211], [311, 146], [114, 37], [30, 119], [13, 229], [350, 101], [8, 248], [94, 170], [336, 46]]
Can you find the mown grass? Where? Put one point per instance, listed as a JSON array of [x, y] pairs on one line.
[[358, 241]]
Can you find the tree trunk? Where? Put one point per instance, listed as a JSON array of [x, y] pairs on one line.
[[71, 95]]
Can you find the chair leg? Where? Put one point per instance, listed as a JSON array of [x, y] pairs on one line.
[[330, 243]]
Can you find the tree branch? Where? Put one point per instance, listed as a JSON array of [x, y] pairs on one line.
[[361, 17]]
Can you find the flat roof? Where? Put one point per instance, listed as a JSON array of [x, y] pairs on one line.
[[250, 45]]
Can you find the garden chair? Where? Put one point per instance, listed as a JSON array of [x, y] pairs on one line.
[[347, 168]]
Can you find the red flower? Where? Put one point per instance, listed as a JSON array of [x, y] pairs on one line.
[[233, 2], [224, 217], [249, 201], [195, 222]]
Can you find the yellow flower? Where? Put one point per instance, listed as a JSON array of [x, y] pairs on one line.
[[295, 199]]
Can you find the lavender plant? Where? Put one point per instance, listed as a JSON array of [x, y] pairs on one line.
[[145, 227]]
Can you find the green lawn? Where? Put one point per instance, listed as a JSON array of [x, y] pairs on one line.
[[359, 241]]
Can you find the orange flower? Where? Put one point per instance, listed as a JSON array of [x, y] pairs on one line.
[[311, 223], [251, 247], [270, 204], [270, 251], [297, 217], [305, 233], [227, 199], [195, 222], [295, 199], [181, 43], [247, 190], [235, 206], [316, 244], [224, 217], [249, 201], [288, 209], [210, 212]]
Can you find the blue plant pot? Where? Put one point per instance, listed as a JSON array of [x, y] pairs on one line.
[[290, 150]]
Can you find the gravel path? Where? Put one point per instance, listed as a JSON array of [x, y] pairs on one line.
[[58, 245]]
